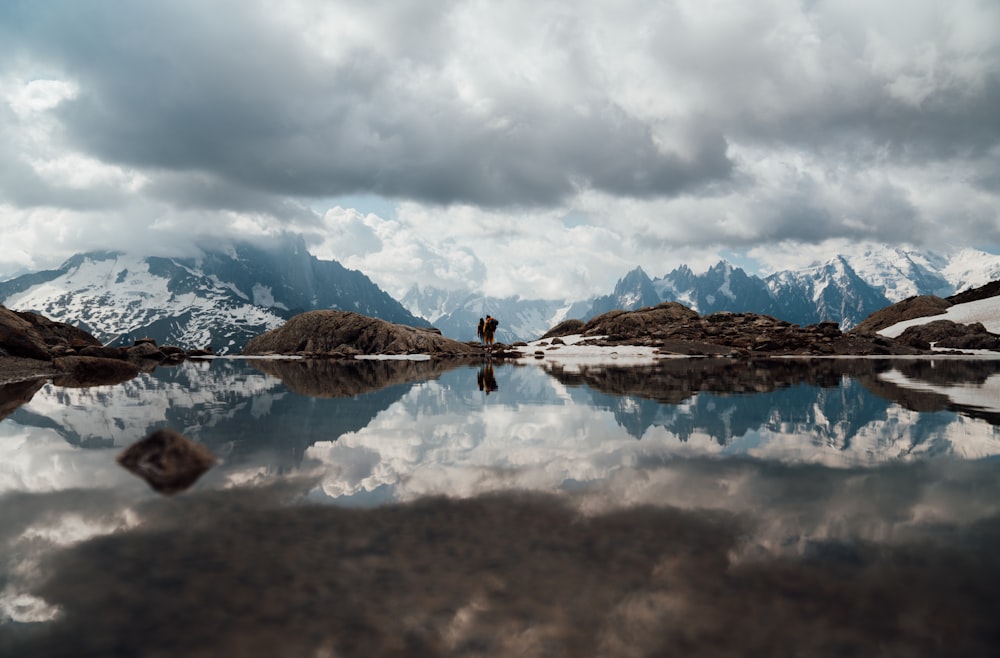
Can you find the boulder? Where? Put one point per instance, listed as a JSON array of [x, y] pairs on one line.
[[911, 308], [102, 352], [169, 461], [948, 334], [329, 333], [676, 329], [565, 328], [145, 350], [58, 333], [19, 337]]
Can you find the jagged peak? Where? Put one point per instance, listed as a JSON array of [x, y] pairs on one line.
[[637, 274], [682, 270], [723, 266], [93, 256]]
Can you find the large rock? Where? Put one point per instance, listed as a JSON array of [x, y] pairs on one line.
[[169, 461], [909, 309], [58, 333], [948, 334], [18, 337], [345, 333], [677, 329]]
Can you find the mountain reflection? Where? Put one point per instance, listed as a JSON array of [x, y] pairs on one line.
[[695, 507], [280, 408]]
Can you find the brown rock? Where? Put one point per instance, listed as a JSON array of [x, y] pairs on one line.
[[565, 328], [54, 333], [908, 309], [102, 352], [145, 350], [18, 337], [676, 329], [324, 332], [169, 461], [945, 333]]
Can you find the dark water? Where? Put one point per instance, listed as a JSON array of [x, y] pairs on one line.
[[697, 507]]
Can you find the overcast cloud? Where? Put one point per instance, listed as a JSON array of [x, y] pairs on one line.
[[533, 148]]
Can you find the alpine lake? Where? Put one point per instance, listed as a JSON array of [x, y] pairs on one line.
[[693, 506]]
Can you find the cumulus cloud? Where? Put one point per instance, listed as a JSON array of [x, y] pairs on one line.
[[675, 129]]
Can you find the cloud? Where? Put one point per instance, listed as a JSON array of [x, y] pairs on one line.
[[677, 130]]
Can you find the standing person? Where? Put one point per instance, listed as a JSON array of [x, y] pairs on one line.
[[480, 331], [489, 329]]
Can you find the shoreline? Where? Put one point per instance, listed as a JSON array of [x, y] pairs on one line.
[[14, 369]]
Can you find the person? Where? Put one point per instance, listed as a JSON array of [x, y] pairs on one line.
[[489, 330], [480, 332]]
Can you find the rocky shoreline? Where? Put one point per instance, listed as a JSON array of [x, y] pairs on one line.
[[34, 347]]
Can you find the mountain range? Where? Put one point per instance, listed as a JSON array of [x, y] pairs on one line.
[[224, 297], [846, 289], [217, 300]]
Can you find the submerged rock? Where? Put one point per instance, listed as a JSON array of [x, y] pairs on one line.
[[169, 461]]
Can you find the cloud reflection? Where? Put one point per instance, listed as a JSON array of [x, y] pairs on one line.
[[900, 559]]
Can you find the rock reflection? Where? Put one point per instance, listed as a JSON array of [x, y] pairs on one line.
[[14, 395], [327, 378], [674, 381]]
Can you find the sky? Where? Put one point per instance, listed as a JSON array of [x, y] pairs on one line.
[[532, 148]]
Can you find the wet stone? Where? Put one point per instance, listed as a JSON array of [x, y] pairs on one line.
[[169, 461]]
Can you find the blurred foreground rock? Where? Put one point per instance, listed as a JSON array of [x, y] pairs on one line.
[[169, 461]]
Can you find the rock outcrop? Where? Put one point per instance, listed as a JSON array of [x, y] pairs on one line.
[[676, 329], [71, 354], [909, 309], [347, 334], [948, 334]]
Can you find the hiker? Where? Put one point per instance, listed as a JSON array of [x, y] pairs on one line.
[[489, 329], [480, 331]]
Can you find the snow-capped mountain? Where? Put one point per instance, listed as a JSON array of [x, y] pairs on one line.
[[224, 297], [457, 313], [846, 289], [218, 300], [634, 290]]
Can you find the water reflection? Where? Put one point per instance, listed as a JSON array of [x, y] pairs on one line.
[[485, 378], [700, 506]]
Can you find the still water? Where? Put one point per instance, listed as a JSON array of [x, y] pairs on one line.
[[697, 506]]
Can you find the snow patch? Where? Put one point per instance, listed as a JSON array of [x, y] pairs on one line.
[[986, 311]]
